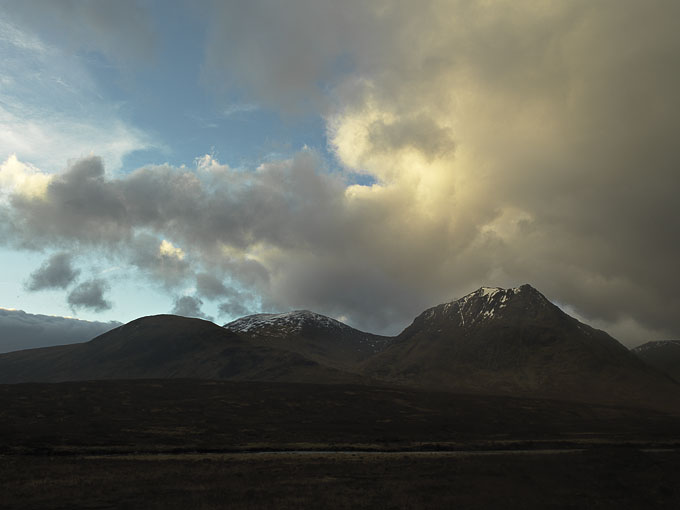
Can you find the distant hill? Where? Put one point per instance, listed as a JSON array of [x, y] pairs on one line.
[[21, 330], [663, 355], [312, 335], [164, 346], [515, 341]]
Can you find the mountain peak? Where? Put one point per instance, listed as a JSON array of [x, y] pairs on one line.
[[283, 323], [315, 336], [490, 292], [512, 340], [487, 303]]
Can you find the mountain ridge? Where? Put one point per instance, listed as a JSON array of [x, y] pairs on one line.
[[494, 341], [163, 346]]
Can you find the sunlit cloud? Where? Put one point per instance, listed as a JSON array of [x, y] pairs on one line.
[[166, 249], [22, 179]]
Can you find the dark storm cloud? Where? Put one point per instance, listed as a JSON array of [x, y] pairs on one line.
[[233, 309], [189, 306], [234, 302], [89, 295], [21, 330], [55, 273], [210, 286], [564, 118]]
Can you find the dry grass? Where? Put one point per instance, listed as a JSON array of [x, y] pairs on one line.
[[45, 429], [622, 478]]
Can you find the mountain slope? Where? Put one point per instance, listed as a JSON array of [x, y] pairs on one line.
[[164, 346], [311, 335], [515, 341], [662, 355]]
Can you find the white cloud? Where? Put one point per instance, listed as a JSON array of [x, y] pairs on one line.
[[51, 109], [235, 108], [51, 140], [11, 35], [22, 179]]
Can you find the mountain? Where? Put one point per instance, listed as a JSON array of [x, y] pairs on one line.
[[663, 355], [21, 330], [515, 341], [164, 346], [492, 341], [314, 336]]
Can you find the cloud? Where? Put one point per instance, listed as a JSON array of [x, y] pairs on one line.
[[211, 287], [236, 108], [121, 30], [51, 108], [158, 258], [528, 142], [235, 303], [189, 306], [22, 179], [90, 295], [233, 309], [21, 330], [296, 44], [55, 273]]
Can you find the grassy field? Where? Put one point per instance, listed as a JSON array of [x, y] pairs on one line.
[[189, 415], [203, 444], [603, 478]]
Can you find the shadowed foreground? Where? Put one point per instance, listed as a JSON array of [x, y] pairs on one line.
[[223, 416], [601, 478], [212, 444]]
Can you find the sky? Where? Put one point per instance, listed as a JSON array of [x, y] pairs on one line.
[[362, 159]]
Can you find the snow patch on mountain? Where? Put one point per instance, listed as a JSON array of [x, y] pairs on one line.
[[657, 345], [281, 324], [483, 304]]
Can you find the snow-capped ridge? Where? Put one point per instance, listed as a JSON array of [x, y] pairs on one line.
[[483, 303], [283, 323], [301, 326], [657, 345]]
